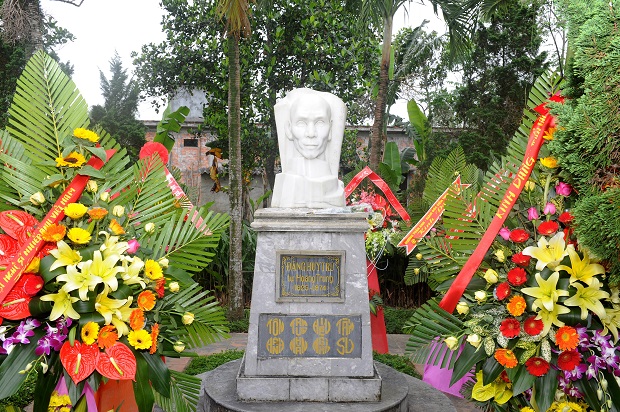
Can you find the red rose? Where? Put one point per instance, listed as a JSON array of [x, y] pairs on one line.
[[566, 218], [568, 360], [521, 259], [519, 235], [533, 326], [517, 276], [502, 291], [537, 366], [548, 228], [510, 328]]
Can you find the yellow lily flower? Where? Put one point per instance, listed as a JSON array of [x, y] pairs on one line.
[[131, 271], [550, 317], [108, 307], [611, 322], [64, 255], [589, 298], [105, 269], [63, 305], [81, 281], [112, 246], [548, 253], [119, 321], [546, 293], [580, 269]]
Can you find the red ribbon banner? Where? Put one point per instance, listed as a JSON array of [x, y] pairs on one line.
[[380, 183], [542, 124], [28, 251], [426, 223]]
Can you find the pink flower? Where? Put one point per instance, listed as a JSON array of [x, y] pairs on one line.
[[563, 189], [133, 246], [549, 209], [504, 233], [532, 213]]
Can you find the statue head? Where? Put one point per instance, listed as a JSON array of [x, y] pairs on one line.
[[310, 125]]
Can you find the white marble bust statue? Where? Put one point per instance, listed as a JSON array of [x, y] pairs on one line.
[[310, 127]]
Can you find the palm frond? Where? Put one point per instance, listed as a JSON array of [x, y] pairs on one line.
[[184, 393], [425, 326], [209, 323], [48, 106], [187, 242], [19, 179]]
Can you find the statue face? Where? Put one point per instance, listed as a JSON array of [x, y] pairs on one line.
[[310, 126]]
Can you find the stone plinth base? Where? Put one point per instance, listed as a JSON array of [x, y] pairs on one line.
[[400, 393], [307, 389]]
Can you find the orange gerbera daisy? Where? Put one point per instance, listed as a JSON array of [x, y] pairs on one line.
[[516, 306], [116, 227], [54, 233], [146, 300], [136, 319], [107, 336], [154, 335], [97, 213], [506, 358], [566, 338]]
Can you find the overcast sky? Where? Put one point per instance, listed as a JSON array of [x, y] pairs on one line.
[[101, 27]]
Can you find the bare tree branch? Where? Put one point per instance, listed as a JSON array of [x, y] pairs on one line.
[[72, 2]]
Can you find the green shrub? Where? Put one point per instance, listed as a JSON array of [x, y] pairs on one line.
[[398, 362], [395, 318], [241, 325], [209, 362]]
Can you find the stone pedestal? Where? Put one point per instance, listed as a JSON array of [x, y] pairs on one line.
[[309, 337]]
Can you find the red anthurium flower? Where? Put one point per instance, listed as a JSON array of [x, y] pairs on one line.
[[520, 259], [30, 283], [519, 235], [537, 366], [15, 305], [154, 147], [8, 248], [46, 249], [17, 224], [517, 276], [79, 360], [510, 328], [548, 228], [117, 362]]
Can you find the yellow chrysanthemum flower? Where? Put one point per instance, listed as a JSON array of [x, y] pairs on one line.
[[549, 162], [75, 210], [74, 159], [152, 269], [140, 339], [85, 134], [89, 334], [78, 236]]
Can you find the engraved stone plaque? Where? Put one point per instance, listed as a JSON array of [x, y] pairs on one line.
[[309, 336], [310, 276]]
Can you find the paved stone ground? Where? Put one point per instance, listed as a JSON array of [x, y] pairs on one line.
[[396, 345]]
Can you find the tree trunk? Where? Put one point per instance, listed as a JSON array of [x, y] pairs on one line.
[[235, 269], [35, 42], [376, 132]]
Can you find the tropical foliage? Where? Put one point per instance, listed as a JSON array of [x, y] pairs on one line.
[[111, 291]]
